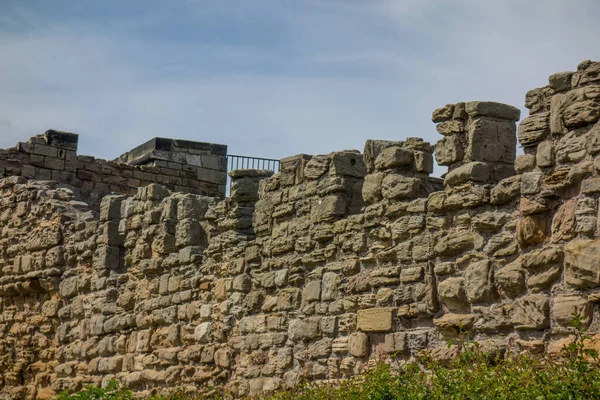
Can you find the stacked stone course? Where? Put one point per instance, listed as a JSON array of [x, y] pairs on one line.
[[320, 270], [181, 165]]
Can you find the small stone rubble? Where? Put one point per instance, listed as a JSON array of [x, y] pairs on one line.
[[315, 272]]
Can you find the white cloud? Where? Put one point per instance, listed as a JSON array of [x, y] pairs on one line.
[[342, 72]]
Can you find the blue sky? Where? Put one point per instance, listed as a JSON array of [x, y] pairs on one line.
[[273, 78]]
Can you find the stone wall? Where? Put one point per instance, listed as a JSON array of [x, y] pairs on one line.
[[320, 270], [181, 165]]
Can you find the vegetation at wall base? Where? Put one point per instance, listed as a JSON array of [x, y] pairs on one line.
[[471, 375]]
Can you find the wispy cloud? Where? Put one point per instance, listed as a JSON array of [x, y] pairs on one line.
[[273, 78]]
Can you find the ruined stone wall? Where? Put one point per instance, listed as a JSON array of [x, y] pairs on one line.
[[320, 270], [181, 165]]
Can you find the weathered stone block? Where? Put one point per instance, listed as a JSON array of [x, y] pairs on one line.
[[478, 282], [358, 345], [394, 157], [493, 141], [492, 109], [534, 129], [452, 293], [471, 172], [304, 329], [443, 114], [449, 150], [582, 261], [531, 312], [396, 186], [511, 279], [371, 189], [565, 306], [328, 209], [375, 319]]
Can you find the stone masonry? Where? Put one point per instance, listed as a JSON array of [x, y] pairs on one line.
[[180, 165], [315, 272]]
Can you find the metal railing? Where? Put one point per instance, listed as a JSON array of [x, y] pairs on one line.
[[244, 162]]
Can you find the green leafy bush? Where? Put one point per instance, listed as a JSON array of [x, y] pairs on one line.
[[472, 375], [111, 392]]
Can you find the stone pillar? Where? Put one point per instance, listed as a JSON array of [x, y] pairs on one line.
[[397, 170], [479, 143]]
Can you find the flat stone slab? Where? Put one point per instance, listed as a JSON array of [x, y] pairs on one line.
[[375, 319]]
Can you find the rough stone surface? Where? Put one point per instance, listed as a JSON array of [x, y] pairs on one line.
[[311, 273]]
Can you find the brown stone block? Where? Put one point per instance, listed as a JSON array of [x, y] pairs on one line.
[[375, 319]]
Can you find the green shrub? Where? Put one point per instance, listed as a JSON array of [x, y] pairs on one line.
[[472, 375], [111, 392]]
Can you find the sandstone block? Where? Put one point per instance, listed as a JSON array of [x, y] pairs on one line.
[[511, 279], [534, 129], [565, 305], [371, 190], [329, 290], [375, 319], [531, 312], [451, 127], [478, 282], [582, 261], [452, 293], [450, 325], [449, 150], [545, 154], [394, 157], [304, 329], [358, 344], [506, 190], [471, 172], [454, 243], [395, 343], [443, 114], [347, 163], [395, 186], [223, 358], [525, 163], [328, 209], [423, 161], [492, 109], [316, 167], [532, 229], [492, 141]]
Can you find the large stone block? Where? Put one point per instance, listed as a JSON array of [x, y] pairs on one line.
[[371, 188], [395, 186], [304, 328], [492, 109], [471, 172], [375, 319], [534, 129], [394, 157], [531, 312], [491, 141], [511, 280], [565, 308], [358, 344], [532, 229], [347, 163], [449, 150], [582, 261], [328, 209], [478, 282], [452, 293]]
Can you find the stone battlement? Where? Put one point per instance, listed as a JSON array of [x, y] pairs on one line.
[[181, 165], [316, 271]]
